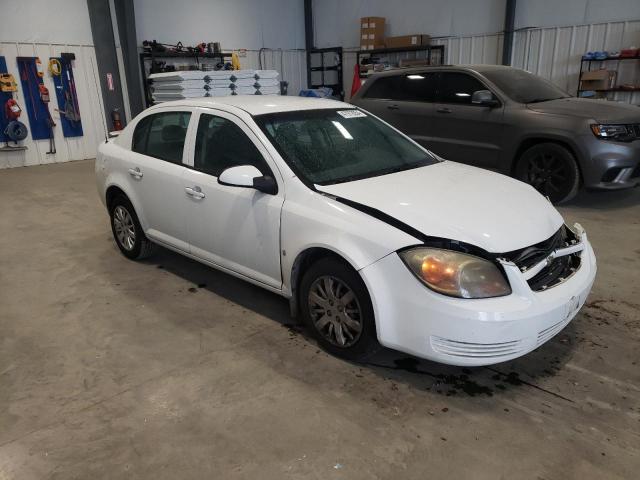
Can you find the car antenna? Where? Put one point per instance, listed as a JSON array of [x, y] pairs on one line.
[[95, 82]]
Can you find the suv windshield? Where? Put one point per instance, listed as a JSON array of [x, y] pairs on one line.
[[524, 87], [333, 146]]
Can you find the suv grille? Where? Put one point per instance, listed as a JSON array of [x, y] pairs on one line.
[[558, 270]]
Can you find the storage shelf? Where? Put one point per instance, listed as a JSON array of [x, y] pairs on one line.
[[609, 90], [609, 59], [418, 48], [429, 59], [183, 55]]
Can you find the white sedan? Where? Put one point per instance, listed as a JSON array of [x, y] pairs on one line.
[[373, 239]]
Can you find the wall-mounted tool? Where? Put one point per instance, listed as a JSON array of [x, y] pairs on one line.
[[61, 70], [15, 130], [37, 99], [11, 129], [8, 83]]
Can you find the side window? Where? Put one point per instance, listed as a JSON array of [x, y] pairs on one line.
[[418, 87], [221, 144], [458, 87], [141, 134], [384, 88], [162, 136]]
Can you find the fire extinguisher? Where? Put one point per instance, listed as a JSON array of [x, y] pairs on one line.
[[44, 93], [115, 116], [12, 110]]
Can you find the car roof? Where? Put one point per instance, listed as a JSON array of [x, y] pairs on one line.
[[257, 104], [476, 68]]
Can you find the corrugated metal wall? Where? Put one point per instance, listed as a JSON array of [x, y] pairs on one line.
[[89, 99], [458, 50], [555, 52]]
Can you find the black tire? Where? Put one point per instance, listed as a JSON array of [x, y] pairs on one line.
[[551, 169], [140, 246], [340, 315]]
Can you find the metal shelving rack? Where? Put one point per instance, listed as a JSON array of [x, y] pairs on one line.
[[153, 55], [324, 64], [434, 56], [606, 90]]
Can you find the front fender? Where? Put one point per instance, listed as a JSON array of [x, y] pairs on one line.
[[321, 222]]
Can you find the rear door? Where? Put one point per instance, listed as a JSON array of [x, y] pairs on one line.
[[405, 101], [155, 169], [462, 131]]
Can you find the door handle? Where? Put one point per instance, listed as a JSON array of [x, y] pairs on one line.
[[443, 110], [195, 192], [135, 172], [393, 107]]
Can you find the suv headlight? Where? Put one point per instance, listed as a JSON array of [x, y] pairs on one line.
[[456, 274], [619, 132]]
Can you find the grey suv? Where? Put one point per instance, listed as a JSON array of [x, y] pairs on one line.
[[509, 120]]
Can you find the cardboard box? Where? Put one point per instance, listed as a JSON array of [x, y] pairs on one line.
[[371, 46], [407, 41], [372, 22], [597, 80], [371, 33]]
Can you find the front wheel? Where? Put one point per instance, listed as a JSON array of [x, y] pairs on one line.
[[337, 310], [551, 169]]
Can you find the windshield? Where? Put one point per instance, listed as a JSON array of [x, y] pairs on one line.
[[333, 146], [524, 87]]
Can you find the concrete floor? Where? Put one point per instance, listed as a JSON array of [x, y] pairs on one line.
[[167, 369]]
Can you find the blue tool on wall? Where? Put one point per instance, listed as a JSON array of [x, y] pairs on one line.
[[36, 99], [61, 69], [11, 129]]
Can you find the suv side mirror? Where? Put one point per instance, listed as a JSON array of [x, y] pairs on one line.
[[484, 98], [248, 176]]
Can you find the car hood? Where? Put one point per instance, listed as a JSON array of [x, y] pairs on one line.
[[458, 202], [599, 110]]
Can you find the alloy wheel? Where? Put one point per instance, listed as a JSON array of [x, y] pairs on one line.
[[124, 227], [548, 174], [335, 311]]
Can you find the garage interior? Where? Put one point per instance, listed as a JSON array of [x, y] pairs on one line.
[[166, 368]]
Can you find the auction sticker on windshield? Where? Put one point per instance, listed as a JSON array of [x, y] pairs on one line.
[[353, 113]]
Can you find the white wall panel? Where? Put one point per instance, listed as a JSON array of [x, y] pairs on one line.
[[45, 21], [551, 13], [476, 49], [555, 52], [337, 22], [234, 23], [89, 100]]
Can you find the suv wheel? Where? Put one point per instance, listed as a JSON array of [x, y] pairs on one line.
[[551, 169], [336, 308], [127, 231]]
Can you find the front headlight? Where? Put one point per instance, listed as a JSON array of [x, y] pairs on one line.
[[618, 132], [456, 274]]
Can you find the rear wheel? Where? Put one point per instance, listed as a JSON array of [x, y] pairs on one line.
[[127, 231], [551, 169], [337, 309]]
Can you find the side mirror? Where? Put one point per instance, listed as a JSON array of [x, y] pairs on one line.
[[484, 98], [248, 176]]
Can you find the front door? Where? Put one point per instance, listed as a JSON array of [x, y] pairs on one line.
[[233, 227], [462, 131]]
